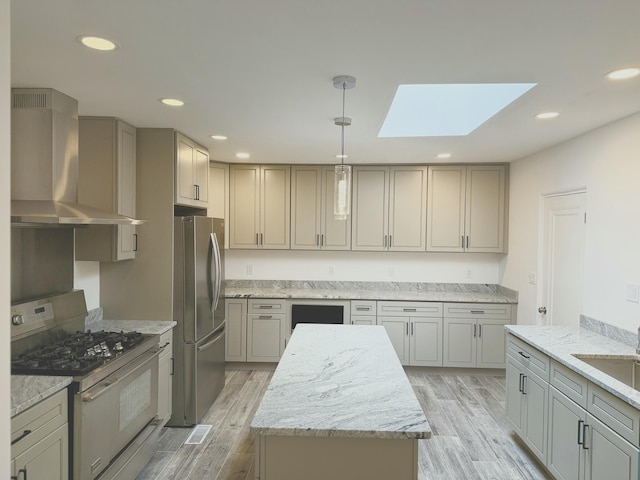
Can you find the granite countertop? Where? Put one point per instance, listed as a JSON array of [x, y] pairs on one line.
[[146, 327], [351, 290], [561, 343], [27, 390], [340, 381]]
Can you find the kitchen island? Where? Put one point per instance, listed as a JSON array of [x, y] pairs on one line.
[[339, 406]]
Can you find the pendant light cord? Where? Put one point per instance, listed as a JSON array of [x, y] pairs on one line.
[[344, 89]]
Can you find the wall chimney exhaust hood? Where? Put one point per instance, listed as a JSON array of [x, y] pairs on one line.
[[44, 163]]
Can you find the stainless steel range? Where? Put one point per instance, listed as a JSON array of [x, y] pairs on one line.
[[114, 389]]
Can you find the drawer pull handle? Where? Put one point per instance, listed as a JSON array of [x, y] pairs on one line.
[[525, 356], [265, 317], [265, 306], [363, 309], [24, 434], [408, 309], [478, 312]]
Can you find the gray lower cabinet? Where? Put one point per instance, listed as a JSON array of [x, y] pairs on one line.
[[40, 440], [578, 430], [363, 312], [165, 372], [236, 330]]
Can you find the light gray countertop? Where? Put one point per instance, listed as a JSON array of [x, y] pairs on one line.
[[27, 390], [146, 327], [407, 295], [340, 381], [561, 343]]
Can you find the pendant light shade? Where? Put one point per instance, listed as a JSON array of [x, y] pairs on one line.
[[342, 184]]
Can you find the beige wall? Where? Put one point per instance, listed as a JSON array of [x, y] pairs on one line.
[[5, 189], [606, 162]]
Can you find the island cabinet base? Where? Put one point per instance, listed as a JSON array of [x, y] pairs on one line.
[[321, 458]]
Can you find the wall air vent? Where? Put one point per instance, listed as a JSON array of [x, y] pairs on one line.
[[30, 100]]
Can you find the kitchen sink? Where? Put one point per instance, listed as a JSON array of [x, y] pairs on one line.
[[625, 369]]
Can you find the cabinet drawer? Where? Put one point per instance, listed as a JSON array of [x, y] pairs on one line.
[[410, 309], [166, 344], [531, 358], [41, 420], [477, 310], [261, 305], [615, 413], [363, 307], [572, 384]]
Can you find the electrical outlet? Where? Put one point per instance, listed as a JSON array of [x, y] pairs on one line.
[[633, 293], [469, 273], [330, 270], [532, 278], [249, 269]]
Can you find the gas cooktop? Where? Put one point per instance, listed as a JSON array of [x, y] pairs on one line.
[[77, 354]]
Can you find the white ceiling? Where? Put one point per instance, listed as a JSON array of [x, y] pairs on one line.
[[260, 71]]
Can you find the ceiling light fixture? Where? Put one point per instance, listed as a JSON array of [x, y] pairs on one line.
[[342, 183], [547, 115], [623, 73], [443, 155], [172, 102], [97, 43], [219, 137], [242, 155]]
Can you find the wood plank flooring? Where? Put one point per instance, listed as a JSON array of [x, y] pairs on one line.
[[471, 436]]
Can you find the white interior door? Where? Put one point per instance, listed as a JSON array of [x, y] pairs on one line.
[[563, 257]]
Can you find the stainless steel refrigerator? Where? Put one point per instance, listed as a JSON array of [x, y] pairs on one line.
[[198, 376]]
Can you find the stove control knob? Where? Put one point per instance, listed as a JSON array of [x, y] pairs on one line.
[[17, 319]]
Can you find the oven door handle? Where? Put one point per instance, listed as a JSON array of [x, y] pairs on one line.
[[106, 385]]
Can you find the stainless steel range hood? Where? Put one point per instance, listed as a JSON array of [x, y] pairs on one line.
[[44, 162]]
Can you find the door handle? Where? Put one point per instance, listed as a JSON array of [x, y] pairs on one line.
[[584, 436], [390, 240], [580, 423], [542, 310], [212, 269], [467, 241], [317, 239], [524, 383], [520, 383], [479, 330], [135, 242]]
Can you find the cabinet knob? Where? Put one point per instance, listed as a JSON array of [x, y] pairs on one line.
[[17, 319], [542, 310]]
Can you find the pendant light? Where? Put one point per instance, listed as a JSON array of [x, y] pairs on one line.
[[342, 184]]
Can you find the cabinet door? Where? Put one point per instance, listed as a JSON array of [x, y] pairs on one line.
[[535, 392], [49, 458], [407, 208], [244, 206], [398, 330], [426, 342], [609, 455], [446, 208], [236, 330], [514, 399], [275, 196], [363, 320], [370, 207], [165, 394], [485, 208], [335, 234], [265, 337], [185, 186], [126, 201], [201, 176], [491, 343], [460, 342], [566, 456], [306, 207]]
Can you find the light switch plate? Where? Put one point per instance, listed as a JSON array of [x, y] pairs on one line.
[[532, 278], [633, 293]]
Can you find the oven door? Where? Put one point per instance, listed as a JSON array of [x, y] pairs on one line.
[[112, 413]]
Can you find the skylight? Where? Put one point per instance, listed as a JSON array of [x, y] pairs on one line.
[[436, 110]]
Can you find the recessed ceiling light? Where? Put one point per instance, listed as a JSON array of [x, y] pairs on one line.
[[433, 110], [242, 155], [443, 155], [218, 137], [97, 43], [624, 73], [173, 102], [547, 115], [342, 156]]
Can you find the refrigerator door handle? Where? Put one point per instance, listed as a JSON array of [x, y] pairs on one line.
[[217, 335], [218, 288], [212, 269]]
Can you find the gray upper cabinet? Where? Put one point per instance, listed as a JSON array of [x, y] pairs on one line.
[[389, 208], [192, 173], [107, 180], [466, 208], [313, 225], [259, 206]]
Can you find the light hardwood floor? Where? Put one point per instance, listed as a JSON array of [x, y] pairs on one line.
[[471, 437]]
